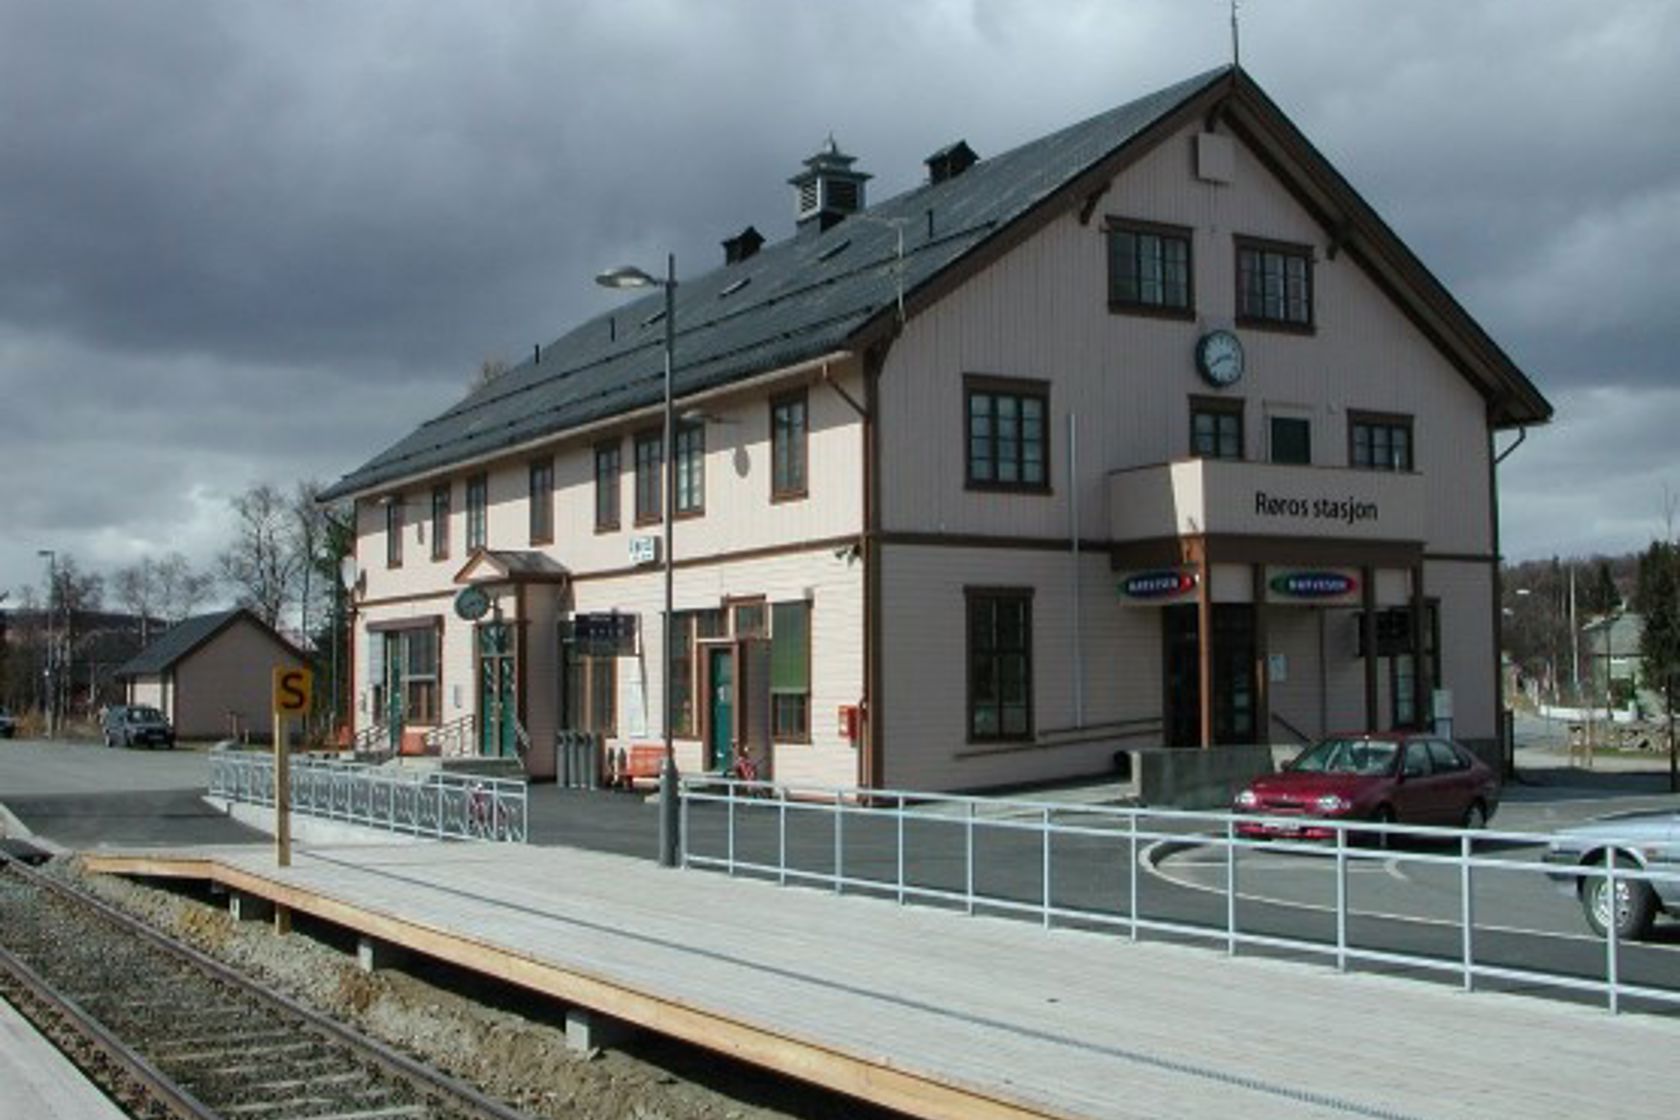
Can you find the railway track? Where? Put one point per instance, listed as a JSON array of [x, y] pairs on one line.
[[169, 1032]]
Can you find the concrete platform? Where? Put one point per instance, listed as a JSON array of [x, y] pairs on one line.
[[39, 1083], [941, 1015]]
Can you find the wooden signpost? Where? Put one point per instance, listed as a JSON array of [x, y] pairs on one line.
[[292, 688]]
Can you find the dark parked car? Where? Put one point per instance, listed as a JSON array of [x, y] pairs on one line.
[[1386, 778], [1642, 842], [128, 725], [8, 725]]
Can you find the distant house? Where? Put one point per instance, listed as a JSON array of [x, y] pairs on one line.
[[211, 674], [1612, 650]]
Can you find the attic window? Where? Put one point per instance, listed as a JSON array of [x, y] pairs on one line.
[[835, 249], [808, 197], [654, 318], [735, 287]]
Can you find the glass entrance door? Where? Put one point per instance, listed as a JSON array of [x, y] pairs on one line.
[[1233, 675], [721, 679]]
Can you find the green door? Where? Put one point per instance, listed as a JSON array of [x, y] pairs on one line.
[[498, 709], [722, 678], [394, 690]]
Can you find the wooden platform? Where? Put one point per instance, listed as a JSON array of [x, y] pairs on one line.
[[941, 1015]]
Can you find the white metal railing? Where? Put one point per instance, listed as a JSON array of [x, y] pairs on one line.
[[456, 739], [1127, 832], [421, 803]]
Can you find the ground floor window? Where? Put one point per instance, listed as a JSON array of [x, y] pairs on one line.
[[1394, 639], [403, 672], [790, 672], [999, 664]]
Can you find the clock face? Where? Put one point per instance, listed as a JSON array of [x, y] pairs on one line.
[[1219, 355]]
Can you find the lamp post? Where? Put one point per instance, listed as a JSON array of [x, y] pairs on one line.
[[51, 557], [627, 276]]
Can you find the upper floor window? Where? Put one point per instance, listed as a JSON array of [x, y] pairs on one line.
[[650, 466], [478, 511], [1380, 443], [1274, 284], [393, 531], [606, 486], [691, 467], [1149, 268], [1292, 440], [542, 501], [1216, 428], [440, 521], [1008, 434], [788, 436]]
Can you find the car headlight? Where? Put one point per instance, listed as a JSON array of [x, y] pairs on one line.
[[1247, 799], [1332, 803]]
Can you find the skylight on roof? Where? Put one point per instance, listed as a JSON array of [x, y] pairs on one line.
[[835, 249], [735, 287]]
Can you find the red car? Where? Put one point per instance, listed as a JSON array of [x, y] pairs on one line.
[[1410, 778]]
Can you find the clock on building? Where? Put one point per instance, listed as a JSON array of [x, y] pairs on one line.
[[1219, 357]]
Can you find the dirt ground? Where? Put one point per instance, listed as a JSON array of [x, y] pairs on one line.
[[517, 1054]]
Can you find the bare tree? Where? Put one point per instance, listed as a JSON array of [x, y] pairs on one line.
[[488, 371], [180, 587], [136, 588], [263, 563]]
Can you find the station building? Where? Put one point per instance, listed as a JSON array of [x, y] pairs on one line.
[[1148, 433]]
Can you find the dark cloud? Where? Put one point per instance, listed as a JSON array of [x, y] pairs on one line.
[[249, 241]]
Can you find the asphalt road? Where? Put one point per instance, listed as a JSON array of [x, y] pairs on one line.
[[84, 796]]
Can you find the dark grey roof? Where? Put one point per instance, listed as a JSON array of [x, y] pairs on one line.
[[175, 643], [796, 299], [821, 291]]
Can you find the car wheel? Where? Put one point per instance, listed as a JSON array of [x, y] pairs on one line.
[[1475, 817], [1636, 906]]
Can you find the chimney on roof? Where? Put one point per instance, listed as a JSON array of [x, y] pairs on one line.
[[828, 189], [743, 245], [950, 161]]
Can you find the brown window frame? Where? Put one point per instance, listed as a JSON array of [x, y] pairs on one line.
[[442, 497], [1116, 227], [1257, 318], [1390, 421], [478, 513], [655, 438], [1021, 389], [1220, 406], [973, 596], [394, 525], [802, 735], [609, 495], [540, 477], [690, 497], [782, 435]]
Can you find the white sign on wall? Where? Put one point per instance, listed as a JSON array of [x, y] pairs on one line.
[[644, 550]]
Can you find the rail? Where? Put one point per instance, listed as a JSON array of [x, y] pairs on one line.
[[1082, 865], [421, 803], [455, 739]]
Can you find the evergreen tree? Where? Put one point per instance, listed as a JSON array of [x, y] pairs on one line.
[[1659, 646]]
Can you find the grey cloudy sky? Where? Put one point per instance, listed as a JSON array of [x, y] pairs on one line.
[[248, 241]]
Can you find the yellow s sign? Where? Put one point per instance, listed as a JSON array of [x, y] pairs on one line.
[[291, 691]]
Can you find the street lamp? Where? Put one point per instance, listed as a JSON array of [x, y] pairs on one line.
[[628, 276], [51, 557]]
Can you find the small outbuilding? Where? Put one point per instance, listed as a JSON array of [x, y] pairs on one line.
[[211, 674]]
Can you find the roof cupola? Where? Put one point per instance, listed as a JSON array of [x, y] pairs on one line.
[[828, 189]]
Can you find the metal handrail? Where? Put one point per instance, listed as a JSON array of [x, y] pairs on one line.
[[1130, 828], [437, 804], [454, 739]]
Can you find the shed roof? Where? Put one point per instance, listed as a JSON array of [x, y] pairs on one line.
[[179, 641], [824, 292]]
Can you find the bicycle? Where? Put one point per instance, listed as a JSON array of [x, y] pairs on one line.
[[744, 777]]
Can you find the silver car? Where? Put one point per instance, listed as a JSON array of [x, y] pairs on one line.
[[1642, 842]]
